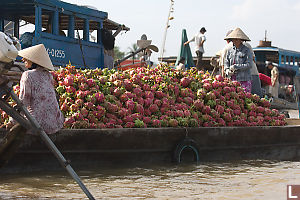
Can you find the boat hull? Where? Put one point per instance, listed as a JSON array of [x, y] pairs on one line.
[[87, 148]]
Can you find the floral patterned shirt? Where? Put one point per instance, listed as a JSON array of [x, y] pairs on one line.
[[38, 95]]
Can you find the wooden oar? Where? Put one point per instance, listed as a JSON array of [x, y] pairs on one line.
[[30, 123]]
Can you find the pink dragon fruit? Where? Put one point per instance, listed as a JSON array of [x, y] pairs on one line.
[[70, 89], [64, 107], [128, 85], [117, 92], [153, 108], [187, 113], [68, 81], [123, 97], [128, 118], [99, 97], [139, 108], [149, 94], [146, 87], [159, 94], [69, 121], [138, 91], [129, 95], [147, 120], [80, 94], [188, 100], [148, 102], [130, 105], [129, 125], [77, 116], [89, 105], [185, 81], [74, 107], [84, 112], [207, 86], [219, 78], [206, 110], [156, 123], [91, 82], [123, 112]]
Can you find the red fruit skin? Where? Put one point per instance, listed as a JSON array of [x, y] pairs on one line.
[[156, 123], [219, 77], [153, 108], [185, 81]]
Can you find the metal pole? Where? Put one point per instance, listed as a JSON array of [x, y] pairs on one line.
[[165, 34], [130, 55], [36, 127]]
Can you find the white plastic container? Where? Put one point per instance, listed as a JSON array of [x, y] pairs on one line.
[[8, 52]]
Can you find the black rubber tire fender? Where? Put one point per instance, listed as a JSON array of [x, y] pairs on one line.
[[183, 144]]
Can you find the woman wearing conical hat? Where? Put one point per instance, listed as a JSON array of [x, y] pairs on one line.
[[37, 91], [237, 63]]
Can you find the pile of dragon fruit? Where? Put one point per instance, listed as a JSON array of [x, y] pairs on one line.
[[158, 97]]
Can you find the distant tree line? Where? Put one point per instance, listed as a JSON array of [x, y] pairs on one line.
[[120, 54]]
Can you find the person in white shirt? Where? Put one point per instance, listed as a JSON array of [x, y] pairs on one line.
[[274, 78], [199, 40]]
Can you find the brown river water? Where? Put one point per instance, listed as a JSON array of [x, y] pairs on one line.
[[255, 179]]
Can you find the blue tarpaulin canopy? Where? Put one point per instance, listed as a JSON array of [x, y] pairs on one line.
[[185, 51]]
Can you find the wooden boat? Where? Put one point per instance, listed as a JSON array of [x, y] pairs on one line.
[[10, 143], [88, 148]]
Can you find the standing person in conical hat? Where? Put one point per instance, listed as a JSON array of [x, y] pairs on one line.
[[237, 63], [37, 90]]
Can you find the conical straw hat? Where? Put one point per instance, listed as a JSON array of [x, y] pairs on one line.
[[37, 54], [143, 43], [237, 34]]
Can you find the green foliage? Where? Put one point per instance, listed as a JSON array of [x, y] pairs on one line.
[[118, 54]]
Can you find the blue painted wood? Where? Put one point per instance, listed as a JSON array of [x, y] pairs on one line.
[[86, 28], [38, 21], [100, 25], [288, 57], [55, 23], [63, 49], [2, 25], [71, 26]]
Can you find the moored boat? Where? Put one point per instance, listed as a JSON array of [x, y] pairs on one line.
[[88, 148]]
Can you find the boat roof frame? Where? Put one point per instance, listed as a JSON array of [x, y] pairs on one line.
[[24, 9], [279, 50]]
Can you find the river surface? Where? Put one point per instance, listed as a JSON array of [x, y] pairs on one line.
[[222, 180]]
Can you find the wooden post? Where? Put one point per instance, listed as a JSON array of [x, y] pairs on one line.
[[38, 21], [16, 28], [86, 33], [55, 23], [71, 26]]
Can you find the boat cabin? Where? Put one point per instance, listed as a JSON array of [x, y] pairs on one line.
[[70, 33], [287, 62]]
